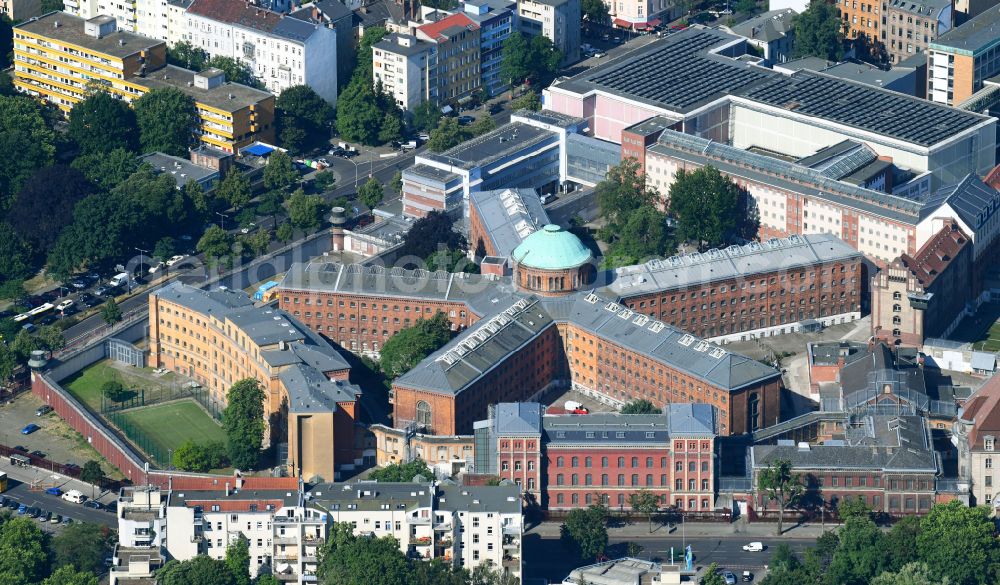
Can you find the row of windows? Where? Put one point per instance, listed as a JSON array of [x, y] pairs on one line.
[[664, 482], [650, 462]]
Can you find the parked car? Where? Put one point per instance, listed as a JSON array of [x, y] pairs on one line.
[[53, 491], [20, 448], [74, 496], [747, 576], [463, 120], [49, 319], [66, 521], [78, 284], [424, 136], [753, 546], [248, 228], [92, 504], [34, 512], [65, 305], [45, 516], [39, 454], [3, 501], [175, 259], [43, 410], [156, 267], [729, 577], [30, 428], [22, 510], [102, 290], [56, 519], [13, 504]]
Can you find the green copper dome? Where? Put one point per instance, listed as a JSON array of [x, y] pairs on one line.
[[551, 248]]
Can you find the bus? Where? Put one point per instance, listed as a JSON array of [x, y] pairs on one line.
[[36, 312]]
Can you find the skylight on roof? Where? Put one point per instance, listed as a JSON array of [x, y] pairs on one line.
[[702, 346], [686, 340]]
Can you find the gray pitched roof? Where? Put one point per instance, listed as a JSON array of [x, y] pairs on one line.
[[371, 495], [970, 198], [691, 419], [508, 216], [888, 443], [309, 391], [768, 26], [218, 302], [518, 419], [501, 499], [607, 429]]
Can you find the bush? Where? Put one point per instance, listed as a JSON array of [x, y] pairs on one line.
[[191, 456], [114, 390]]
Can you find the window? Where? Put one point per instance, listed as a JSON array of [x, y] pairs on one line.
[[423, 414], [988, 442], [989, 463]]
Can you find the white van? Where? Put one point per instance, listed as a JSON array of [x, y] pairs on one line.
[[74, 496], [119, 279]]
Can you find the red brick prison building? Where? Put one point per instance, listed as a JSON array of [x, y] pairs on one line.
[[572, 461], [521, 335], [886, 460], [500, 220], [740, 292]]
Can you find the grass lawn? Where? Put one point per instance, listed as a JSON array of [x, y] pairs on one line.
[[991, 340], [86, 384], [169, 425]]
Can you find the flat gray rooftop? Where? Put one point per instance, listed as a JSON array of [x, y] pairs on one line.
[[180, 169], [495, 145], [67, 28], [228, 97], [976, 35]]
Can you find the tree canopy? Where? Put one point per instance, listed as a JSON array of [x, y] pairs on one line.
[[188, 56], [44, 205], [108, 169], [83, 546], [532, 58], [404, 350], [200, 457], [100, 123], [447, 134], [402, 472], [23, 556], [367, 114], [306, 212], [430, 233], [371, 193], [585, 532], [303, 119], [27, 143], [710, 208], [781, 485], [243, 421], [280, 173], [635, 228], [819, 32], [236, 71], [594, 11], [200, 570], [238, 560], [957, 542], [639, 406], [166, 118]]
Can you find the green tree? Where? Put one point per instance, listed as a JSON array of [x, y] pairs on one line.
[[108, 169], [243, 421], [44, 205], [111, 312], [707, 206], [238, 560], [639, 406], [446, 135], [114, 390], [482, 126], [165, 248], [259, 241], [215, 242], [24, 344], [234, 189], [404, 350], [27, 143], [860, 555], [712, 576], [585, 532], [646, 503], [783, 559], [594, 11], [901, 542], [51, 338], [349, 560], [746, 6], [396, 184], [303, 119], [853, 508], [358, 115], [200, 570], [284, 233], [620, 194], [92, 474], [166, 119], [528, 101], [371, 193], [23, 558], [191, 456], [487, 573], [429, 235], [8, 363], [15, 256], [818, 32], [186, 55], [81, 545], [100, 123], [781, 485], [267, 580], [957, 542], [426, 116], [645, 235], [515, 59], [70, 576], [280, 173], [402, 472], [306, 211], [324, 180], [391, 129], [545, 59], [910, 574], [236, 71]]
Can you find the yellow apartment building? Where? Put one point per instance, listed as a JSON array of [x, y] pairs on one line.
[[60, 57], [217, 338]]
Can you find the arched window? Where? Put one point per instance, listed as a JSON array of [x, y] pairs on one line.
[[896, 296], [423, 414], [896, 308], [559, 461], [896, 320]]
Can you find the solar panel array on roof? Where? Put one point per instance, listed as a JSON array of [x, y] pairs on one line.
[[678, 74], [864, 107]]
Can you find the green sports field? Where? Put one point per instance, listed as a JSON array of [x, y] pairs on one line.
[[990, 340], [168, 425]]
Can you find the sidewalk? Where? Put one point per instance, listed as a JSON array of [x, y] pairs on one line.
[[640, 529], [48, 478]]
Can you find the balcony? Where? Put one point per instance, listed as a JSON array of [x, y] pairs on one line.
[[511, 563], [419, 521], [442, 527], [422, 541], [279, 540], [512, 530], [287, 556]]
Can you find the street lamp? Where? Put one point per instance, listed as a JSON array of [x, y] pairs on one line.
[[223, 216], [141, 252]]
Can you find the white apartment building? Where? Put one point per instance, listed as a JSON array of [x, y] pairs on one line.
[[559, 20], [161, 19], [281, 50], [463, 525], [142, 517], [404, 66], [123, 11], [976, 432]]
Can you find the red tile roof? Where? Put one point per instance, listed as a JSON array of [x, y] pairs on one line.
[[936, 255], [235, 505], [983, 410], [434, 30], [237, 12], [219, 483], [993, 178]]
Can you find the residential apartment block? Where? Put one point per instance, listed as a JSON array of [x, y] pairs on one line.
[[58, 57], [962, 59], [923, 296], [573, 461], [456, 57], [557, 20], [281, 50], [463, 525], [860, 19], [640, 15], [976, 432], [406, 69], [497, 19], [217, 338], [913, 25]]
